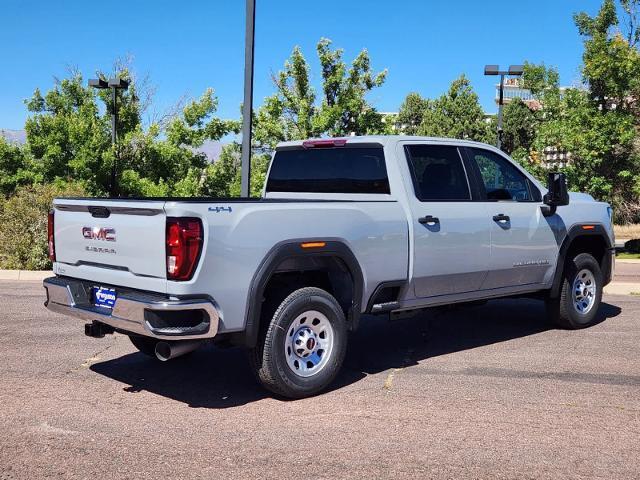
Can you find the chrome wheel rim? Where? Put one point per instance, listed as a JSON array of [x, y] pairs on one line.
[[309, 343], [584, 291]]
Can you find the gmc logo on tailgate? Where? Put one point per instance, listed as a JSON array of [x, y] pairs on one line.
[[95, 233]]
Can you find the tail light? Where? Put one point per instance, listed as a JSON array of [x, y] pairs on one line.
[[52, 246], [184, 245]]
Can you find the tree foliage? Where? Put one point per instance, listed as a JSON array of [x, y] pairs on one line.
[[16, 169], [222, 178], [69, 137], [23, 224], [520, 124], [455, 114], [295, 111], [411, 113], [597, 124]]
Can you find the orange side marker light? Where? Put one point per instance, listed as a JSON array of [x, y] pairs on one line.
[[313, 244]]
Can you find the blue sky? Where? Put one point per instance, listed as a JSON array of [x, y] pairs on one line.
[[188, 46]]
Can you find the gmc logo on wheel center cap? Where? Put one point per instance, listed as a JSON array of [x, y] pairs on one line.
[[107, 234]]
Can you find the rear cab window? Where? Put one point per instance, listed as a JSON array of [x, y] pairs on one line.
[[349, 169]]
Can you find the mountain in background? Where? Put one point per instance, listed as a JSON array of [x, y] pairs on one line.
[[14, 136], [210, 148]]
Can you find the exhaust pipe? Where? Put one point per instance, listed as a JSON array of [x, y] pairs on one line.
[[168, 350]]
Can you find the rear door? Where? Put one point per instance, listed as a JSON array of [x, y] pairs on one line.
[[523, 244], [111, 241], [451, 245]]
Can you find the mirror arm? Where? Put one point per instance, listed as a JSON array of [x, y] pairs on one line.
[[548, 210]]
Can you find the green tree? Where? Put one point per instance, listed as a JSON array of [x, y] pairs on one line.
[[345, 109], [290, 112], [222, 178], [23, 224], [295, 112], [16, 167], [411, 113], [519, 127], [598, 124], [456, 114], [68, 136], [221, 175]]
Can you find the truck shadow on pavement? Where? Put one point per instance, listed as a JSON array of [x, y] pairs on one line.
[[215, 377]]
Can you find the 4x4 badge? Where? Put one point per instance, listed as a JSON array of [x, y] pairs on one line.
[[220, 209]]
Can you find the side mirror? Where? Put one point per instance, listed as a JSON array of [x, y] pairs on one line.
[[558, 194]]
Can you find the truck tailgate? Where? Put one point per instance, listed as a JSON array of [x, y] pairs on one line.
[[111, 241]]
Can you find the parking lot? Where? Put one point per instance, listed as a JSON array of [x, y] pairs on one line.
[[475, 392]]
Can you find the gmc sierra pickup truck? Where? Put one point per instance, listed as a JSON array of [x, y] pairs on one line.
[[345, 228]]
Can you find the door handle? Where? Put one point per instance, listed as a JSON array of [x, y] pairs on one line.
[[429, 220], [501, 217]]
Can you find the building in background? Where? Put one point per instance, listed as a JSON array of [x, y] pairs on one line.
[[513, 89], [553, 157]]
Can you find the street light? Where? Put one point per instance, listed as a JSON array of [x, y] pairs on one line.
[[494, 70], [247, 106], [114, 84]]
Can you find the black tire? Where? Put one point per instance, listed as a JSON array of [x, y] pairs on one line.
[[146, 345], [269, 358], [561, 310]]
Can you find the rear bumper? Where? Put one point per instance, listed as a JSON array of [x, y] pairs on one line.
[[142, 313]]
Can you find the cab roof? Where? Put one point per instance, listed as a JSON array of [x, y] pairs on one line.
[[383, 140]]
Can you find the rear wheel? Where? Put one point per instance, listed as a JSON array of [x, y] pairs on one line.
[[301, 350], [146, 345], [580, 294]]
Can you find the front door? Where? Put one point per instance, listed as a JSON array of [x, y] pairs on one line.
[[523, 244], [450, 230]]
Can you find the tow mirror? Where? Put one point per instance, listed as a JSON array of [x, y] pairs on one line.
[[558, 194]]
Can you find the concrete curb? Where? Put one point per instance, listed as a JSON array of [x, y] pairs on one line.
[[627, 260], [622, 288], [25, 275]]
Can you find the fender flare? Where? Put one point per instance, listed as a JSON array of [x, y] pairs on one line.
[[574, 232], [292, 248]]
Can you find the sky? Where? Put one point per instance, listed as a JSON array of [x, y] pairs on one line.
[[185, 47]]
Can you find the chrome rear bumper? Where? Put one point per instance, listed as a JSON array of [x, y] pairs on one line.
[[134, 311]]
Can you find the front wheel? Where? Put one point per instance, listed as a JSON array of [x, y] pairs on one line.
[[580, 294], [302, 349]]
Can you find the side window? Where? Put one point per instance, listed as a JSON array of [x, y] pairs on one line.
[[502, 181], [437, 172]]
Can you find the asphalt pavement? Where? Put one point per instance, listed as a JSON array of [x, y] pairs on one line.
[[477, 392]]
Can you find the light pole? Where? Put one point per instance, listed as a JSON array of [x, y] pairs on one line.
[[493, 70], [247, 105], [114, 84]]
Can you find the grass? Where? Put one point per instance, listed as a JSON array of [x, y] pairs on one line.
[[627, 231], [628, 256]]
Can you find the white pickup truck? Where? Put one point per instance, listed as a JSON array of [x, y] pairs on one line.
[[345, 227]]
